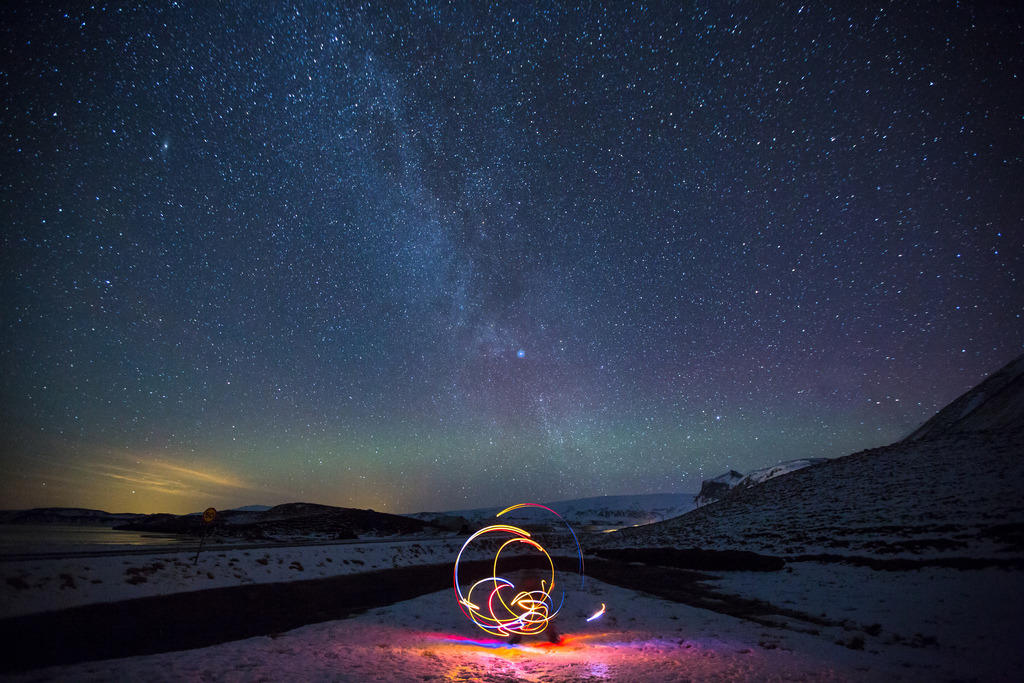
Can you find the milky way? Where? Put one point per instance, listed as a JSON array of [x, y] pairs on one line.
[[456, 255]]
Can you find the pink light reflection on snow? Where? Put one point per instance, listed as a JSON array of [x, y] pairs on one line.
[[566, 642], [608, 654], [499, 657]]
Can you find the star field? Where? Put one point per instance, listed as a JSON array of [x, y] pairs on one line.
[[456, 254]]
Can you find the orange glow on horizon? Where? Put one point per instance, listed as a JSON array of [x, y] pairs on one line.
[[119, 481]]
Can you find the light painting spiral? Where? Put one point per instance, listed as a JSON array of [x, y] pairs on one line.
[[495, 603]]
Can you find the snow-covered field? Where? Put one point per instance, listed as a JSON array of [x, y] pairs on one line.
[[934, 622], [44, 585], [640, 638], [846, 623]]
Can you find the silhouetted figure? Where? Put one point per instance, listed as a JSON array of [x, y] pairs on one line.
[[531, 584]]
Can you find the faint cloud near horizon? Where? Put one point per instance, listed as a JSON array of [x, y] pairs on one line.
[[126, 481]]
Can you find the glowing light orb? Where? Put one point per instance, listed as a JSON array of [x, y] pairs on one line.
[[495, 603]]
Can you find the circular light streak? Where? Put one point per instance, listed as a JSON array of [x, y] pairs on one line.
[[495, 603]]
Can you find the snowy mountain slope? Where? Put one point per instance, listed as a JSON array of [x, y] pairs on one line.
[[765, 473], [952, 497], [950, 491], [995, 404], [593, 514]]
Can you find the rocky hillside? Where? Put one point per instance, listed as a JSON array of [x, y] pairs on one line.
[[717, 488]]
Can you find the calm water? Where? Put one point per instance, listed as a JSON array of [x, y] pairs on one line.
[[31, 538]]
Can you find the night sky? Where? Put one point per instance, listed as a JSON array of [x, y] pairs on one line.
[[458, 255]]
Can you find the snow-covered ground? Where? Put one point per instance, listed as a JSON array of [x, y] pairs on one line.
[[842, 623], [940, 623], [640, 638], [44, 585]]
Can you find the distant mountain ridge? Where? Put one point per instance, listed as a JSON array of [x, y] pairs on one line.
[[67, 516], [291, 520], [583, 514]]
